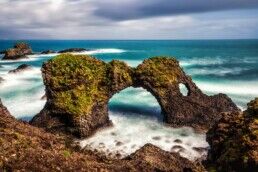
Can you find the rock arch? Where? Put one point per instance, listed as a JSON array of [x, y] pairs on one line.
[[78, 89]]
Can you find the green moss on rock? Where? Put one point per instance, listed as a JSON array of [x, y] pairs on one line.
[[161, 70], [77, 82]]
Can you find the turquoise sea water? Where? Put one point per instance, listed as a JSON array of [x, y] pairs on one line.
[[226, 66]]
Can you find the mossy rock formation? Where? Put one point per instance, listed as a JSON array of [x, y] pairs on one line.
[[234, 141], [78, 89]]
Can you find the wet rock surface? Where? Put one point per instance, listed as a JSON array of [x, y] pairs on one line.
[[21, 68], [78, 89], [20, 50], [234, 141]]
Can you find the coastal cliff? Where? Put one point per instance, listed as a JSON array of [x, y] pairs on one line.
[[78, 89]]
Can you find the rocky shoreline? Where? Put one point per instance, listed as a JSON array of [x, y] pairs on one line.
[[21, 50], [78, 89], [22, 146]]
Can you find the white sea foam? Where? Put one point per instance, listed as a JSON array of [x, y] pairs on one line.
[[215, 61], [133, 63], [28, 59], [21, 92], [202, 61], [130, 132], [133, 130], [103, 51], [220, 71], [233, 87], [240, 92], [89, 52]]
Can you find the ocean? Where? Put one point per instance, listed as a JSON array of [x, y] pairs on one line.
[[216, 66]]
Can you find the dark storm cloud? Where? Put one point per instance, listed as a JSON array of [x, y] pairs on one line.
[[136, 9]]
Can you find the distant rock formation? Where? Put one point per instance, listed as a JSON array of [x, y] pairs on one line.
[[21, 68], [72, 50], [23, 146], [78, 89], [48, 52], [19, 51], [234, 141]]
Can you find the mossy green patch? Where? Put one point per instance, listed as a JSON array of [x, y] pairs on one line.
[[80, 81], [162, 70], [66, 153]]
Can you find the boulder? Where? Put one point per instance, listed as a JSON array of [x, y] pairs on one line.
[[152, 158], [48, 52], [234, 141], [21, 68], [72, 50], [78, 89], [19, 51]]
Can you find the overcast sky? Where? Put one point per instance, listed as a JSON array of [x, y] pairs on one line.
[[128, 19]]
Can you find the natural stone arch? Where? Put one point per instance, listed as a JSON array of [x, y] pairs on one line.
[[78, 89]]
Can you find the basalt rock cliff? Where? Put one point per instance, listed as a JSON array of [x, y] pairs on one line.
[[20, 50], [234, 141], [78, 89]]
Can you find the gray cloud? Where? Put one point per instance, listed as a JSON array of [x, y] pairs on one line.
[[125, 19], [135, 9]]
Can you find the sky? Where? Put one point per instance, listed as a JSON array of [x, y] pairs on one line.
[[128, 19]]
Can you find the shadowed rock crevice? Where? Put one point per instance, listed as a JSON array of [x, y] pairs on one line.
[[78, 89]]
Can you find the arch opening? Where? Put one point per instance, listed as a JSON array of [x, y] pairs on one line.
[[135, 102], [137, 120], [184, 90]]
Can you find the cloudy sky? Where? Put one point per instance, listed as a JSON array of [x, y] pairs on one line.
[[128, 19]]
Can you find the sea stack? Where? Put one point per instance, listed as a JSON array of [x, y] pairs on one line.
[[78, 89], [19, 51]]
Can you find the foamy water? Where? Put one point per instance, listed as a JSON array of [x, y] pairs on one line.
[[132, 130]]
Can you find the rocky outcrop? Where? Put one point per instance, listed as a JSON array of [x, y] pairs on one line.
[[27, 148], [3, 110], [19, 51], [48, 52], [21, 68], [72, 50], [78, 89], [155, 159], [234, 141]]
